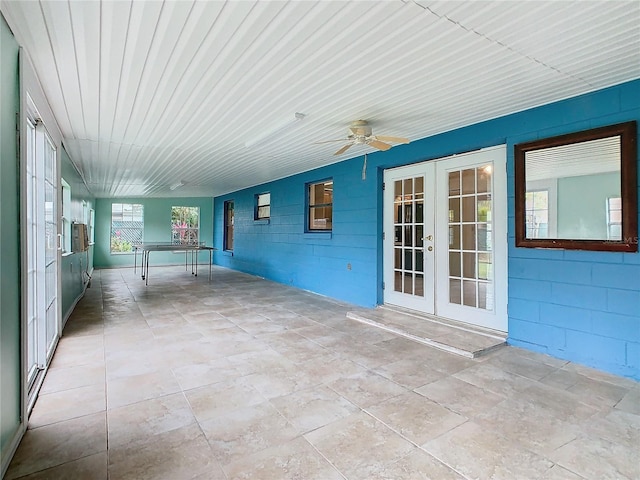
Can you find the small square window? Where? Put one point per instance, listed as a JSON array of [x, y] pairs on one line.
[[320, 201], [263, 206]]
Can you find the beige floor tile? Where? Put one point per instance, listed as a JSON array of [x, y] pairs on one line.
[[60, 443], [561, 379], [511, 360], [128, 390], [600, 375], [134, 424], [199, 374], [279, 382], [597, 458], [630, 403], [559, 473], [597, 392], [366, 388], [616, 426], [59, 379], [178, 454], [246, 431], [329, 368], [259, 361], [558, 403], [93, 467], [531, 426], [494, 379], [294, 460], [364, 354], [68, 404], [409, 373], [418, 465], [72, 351], [313, 408], [222, 398], [415, 417], [79, 328], [459, 396], [476, 452], [359, 445]]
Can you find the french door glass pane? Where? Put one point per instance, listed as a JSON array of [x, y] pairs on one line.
[[408, 219], [470, 238]]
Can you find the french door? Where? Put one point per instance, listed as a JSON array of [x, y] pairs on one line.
[[445, 243], [41, 253]]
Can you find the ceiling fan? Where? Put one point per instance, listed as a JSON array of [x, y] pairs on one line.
[[361, 134]]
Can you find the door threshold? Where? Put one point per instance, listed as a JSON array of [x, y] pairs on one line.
[[450, 336]]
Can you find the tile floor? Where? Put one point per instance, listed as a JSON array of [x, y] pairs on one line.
[[242, 378]]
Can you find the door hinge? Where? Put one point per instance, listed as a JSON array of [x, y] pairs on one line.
[[383, 285], [383, 186], [383, 235]]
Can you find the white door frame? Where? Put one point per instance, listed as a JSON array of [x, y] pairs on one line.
[[436, 262]]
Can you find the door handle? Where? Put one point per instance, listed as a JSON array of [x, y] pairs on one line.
[[430, 238], [430, 248]]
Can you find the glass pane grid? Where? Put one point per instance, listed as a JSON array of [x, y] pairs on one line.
[[408, 231], [470, 238]]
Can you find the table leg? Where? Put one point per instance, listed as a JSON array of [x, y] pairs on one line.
[[146, 277]]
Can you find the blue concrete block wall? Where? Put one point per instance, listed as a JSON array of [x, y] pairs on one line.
[[578, 305]]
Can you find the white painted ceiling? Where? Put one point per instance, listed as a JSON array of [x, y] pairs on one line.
[[149, 93]]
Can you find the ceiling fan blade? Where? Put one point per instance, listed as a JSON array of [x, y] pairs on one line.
[[379, 145], [343, 149], [330, 141], [384, 138]]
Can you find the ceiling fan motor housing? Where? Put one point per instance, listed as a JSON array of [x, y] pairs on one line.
[[360, 128]]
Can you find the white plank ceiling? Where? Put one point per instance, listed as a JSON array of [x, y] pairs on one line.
[[150, 93]]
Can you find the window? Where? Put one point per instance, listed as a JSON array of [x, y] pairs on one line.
[[614, 218], [127, 226], [90, 228], [66, 217], [320, 200], [185, 225], [228, 225], [263, 206], [537, 214]]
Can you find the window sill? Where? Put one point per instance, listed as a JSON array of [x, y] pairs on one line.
[[262, 221], [67, 254], [121, 253], [318, 235], [227, 253]]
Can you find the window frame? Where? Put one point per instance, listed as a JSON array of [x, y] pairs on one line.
[[228, 229], [66, 217], [611, 223], [257, 206], [111, 229], [91, 226], [186, 229], [531, 212], [310, 206]]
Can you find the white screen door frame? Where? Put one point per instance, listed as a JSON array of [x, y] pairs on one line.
[[41, 247], [457, 250]]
